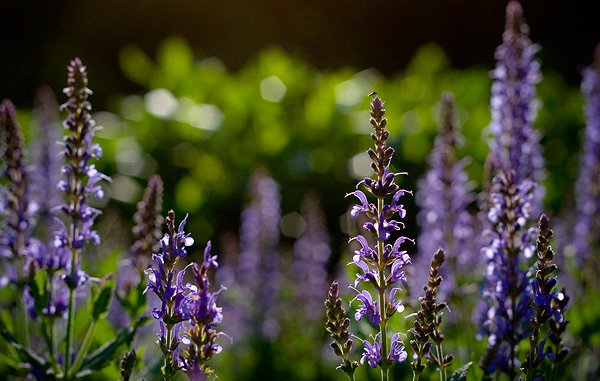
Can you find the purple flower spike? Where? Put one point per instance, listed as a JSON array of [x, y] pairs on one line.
[[380, 257], [587, 222], [515, 145], [443, 197]]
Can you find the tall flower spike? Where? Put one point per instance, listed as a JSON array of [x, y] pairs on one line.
[[311, 253], [46, 153], [548, 303], [166, 282], [381, 265], [16, 206], [506, 314], [259, 256], [426, 328], [443, 197], [81, 178], [338, 327], [587, 222], [80, 182], [515, 145], [201, 310], [148, 222]]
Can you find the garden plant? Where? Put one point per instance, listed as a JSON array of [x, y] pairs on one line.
[[451, 249]]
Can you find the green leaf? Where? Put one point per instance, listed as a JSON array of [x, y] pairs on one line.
[[461, 374], [104, 355], [101, 299], [37, 289], [35, 361]]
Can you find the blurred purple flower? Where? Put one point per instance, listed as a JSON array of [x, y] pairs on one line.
[[311, 253], [258, 272], [515, 145], [443, 197], [587, 222], [16, 206]]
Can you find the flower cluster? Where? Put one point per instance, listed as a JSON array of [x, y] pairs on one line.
[[382, 265], [180, 303], [587, 223], [426, 328], [507, 313], [548, 304], [515, 144], [443, 197]]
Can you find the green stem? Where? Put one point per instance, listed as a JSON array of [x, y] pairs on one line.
[[50, 343], [70, 316], [442, 366], [416, 375], [382, 303], [85, 347]]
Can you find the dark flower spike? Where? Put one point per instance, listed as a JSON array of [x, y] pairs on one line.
[[382, 263], [515, 145], [127, 364], [148, 221], [443, 197], [427, 327], [338, 326], [587, 198], [549, 304]]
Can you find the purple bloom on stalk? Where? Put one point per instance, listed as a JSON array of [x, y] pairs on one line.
[[258, 271], [515, 145], [506, 314], [587, 222], [80, 177], [443, 197], [17, 208], [311, 253], [381, 262], [45, 158]]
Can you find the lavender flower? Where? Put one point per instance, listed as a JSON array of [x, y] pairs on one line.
[[311, 253], [81, 178], [167, 283], [587, 223], [443, 197], [258, 263], [381, 264], [506, 314], [547, 303], [80, 182], [46, 171], [515, 144], [201, 310], [15, 238]]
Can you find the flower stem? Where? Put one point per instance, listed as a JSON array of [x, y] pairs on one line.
[[70, 316], [85, 347], [382, 303]]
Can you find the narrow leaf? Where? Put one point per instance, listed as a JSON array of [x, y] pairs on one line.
[[461, 374]]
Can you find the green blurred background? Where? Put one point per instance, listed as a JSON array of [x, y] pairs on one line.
[[204, 93]]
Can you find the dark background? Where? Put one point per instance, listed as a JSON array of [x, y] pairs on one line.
[[39, 37]]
